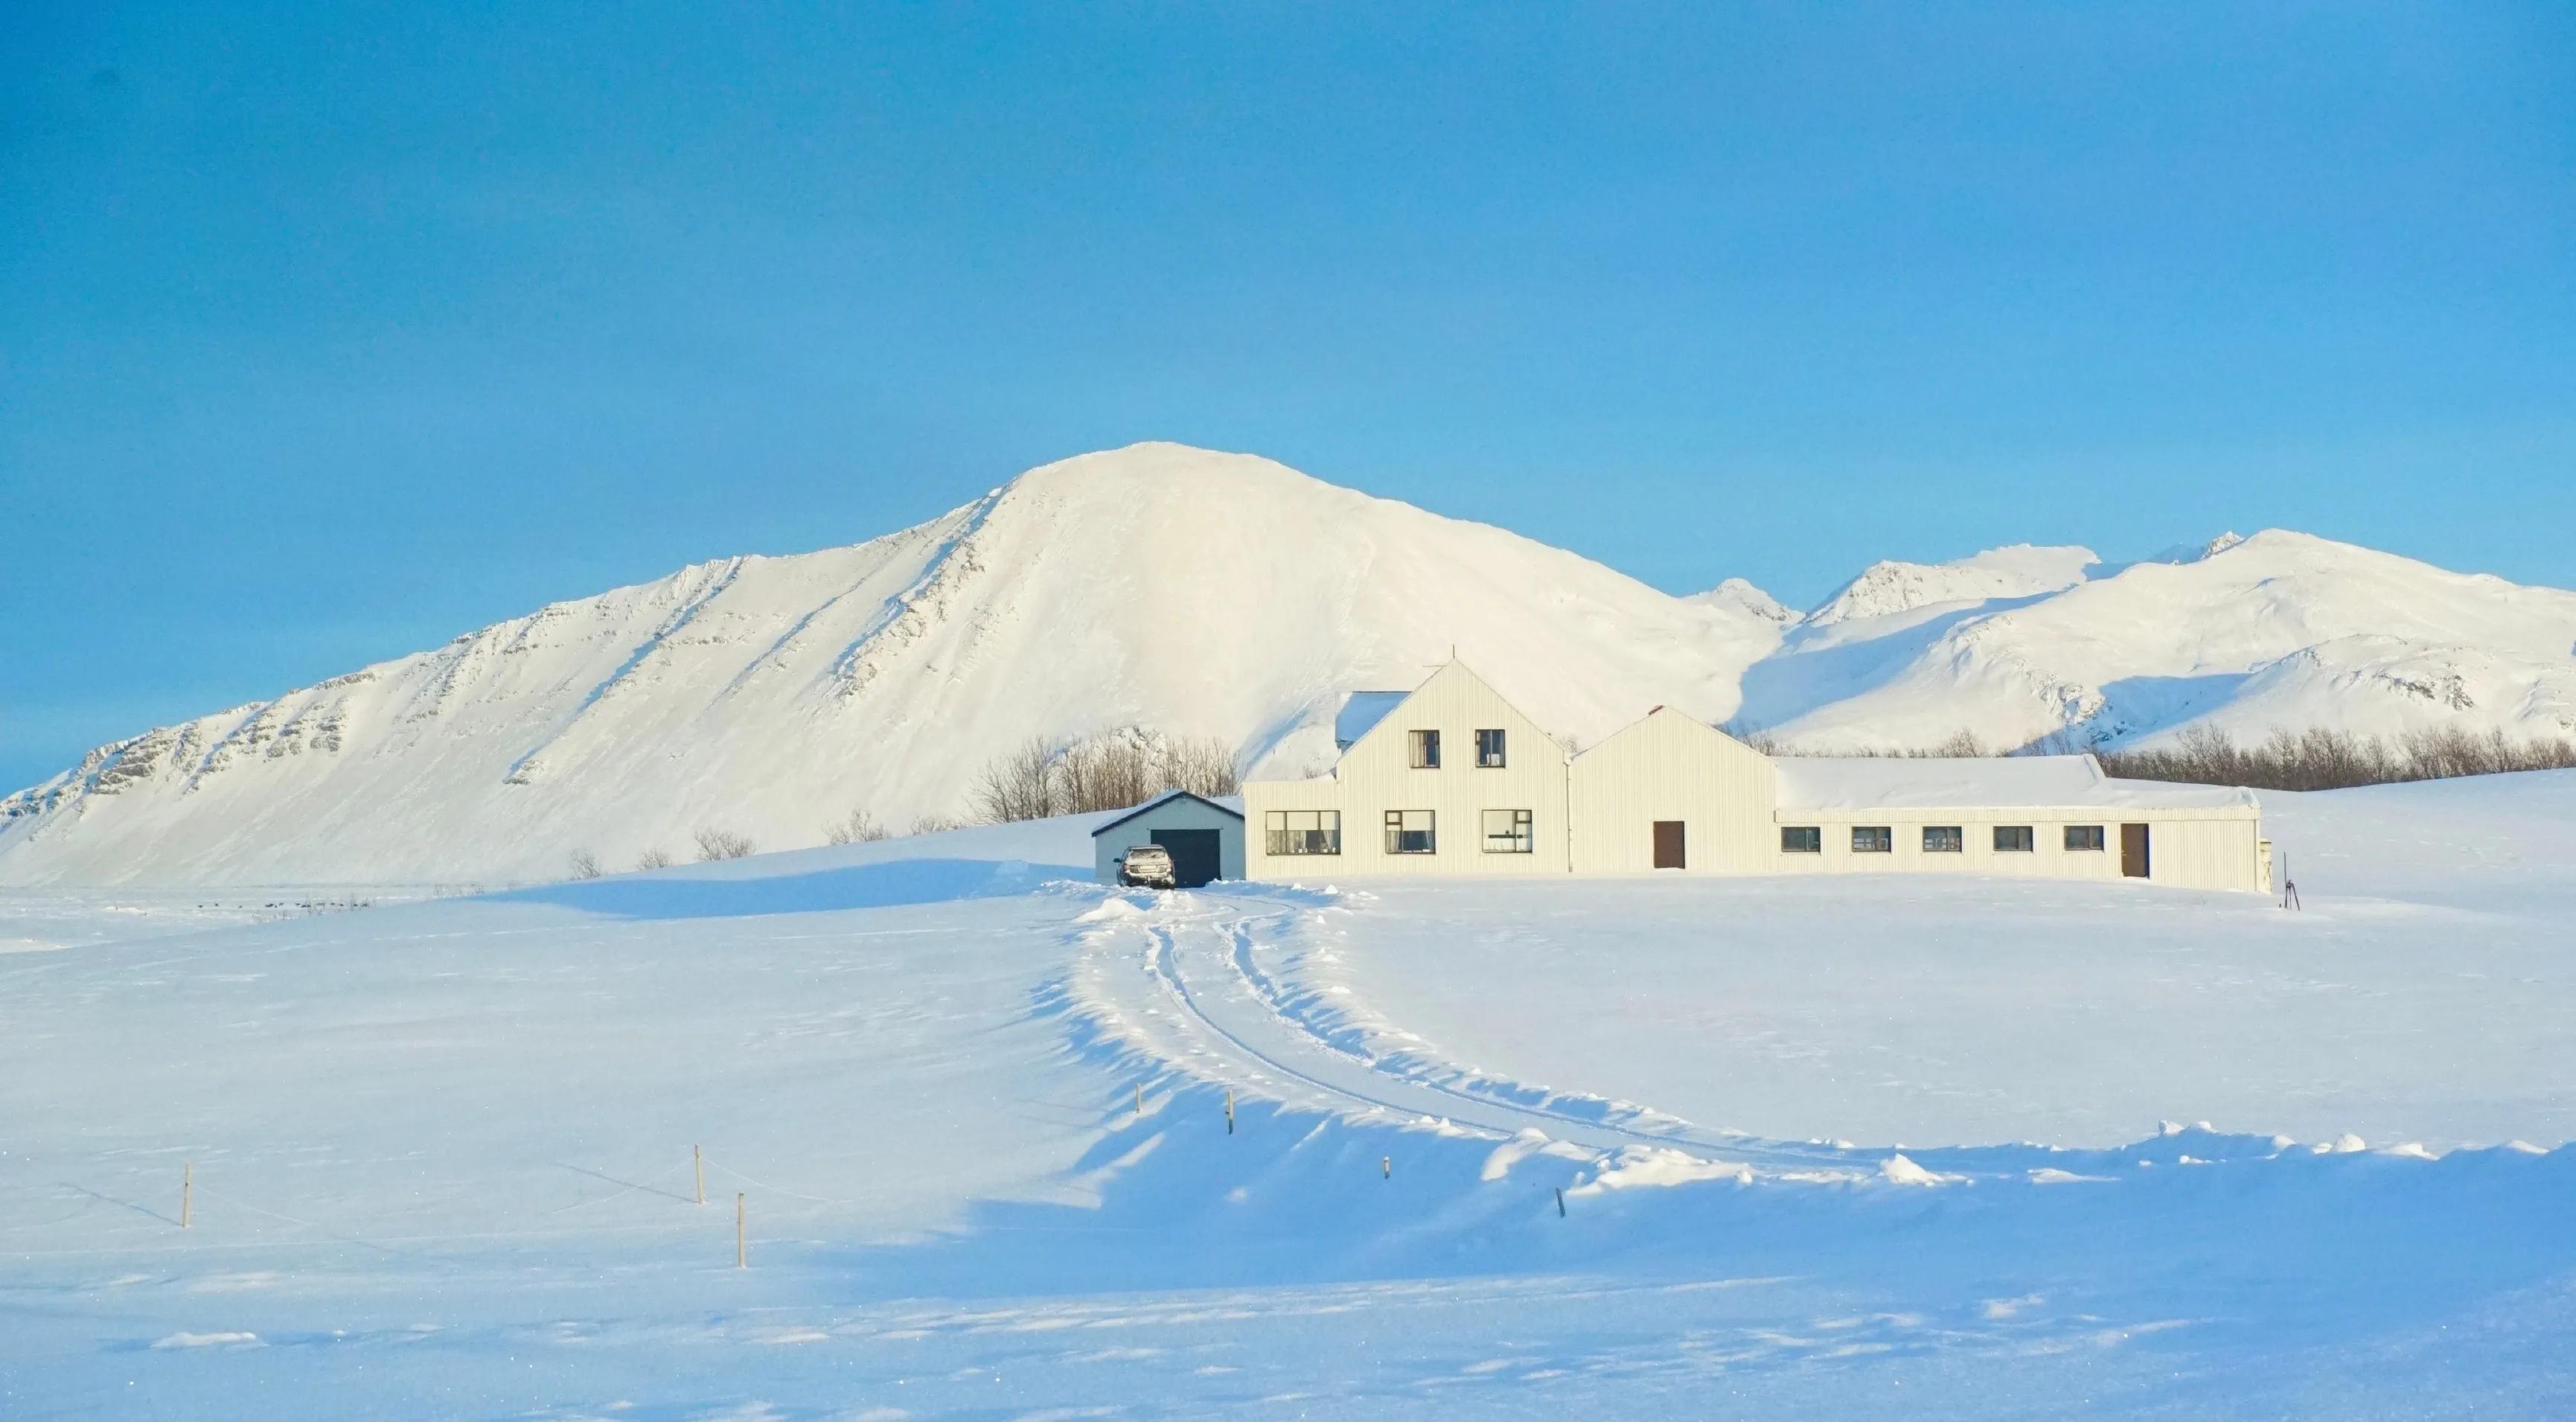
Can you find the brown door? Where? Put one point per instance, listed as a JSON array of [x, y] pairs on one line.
[[2133, 851], [1668, 844]]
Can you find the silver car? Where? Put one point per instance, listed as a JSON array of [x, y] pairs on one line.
[[1147, 866]]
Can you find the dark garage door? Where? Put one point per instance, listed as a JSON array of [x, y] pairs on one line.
[[1194, 855]]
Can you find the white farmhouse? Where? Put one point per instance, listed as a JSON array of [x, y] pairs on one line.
[[1450, 779]]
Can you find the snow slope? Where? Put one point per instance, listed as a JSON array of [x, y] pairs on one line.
[[1195, 593], [1010, 1144], [2277, 630], [1162, 587]]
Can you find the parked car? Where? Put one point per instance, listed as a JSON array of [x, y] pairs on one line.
[[1147, 866]]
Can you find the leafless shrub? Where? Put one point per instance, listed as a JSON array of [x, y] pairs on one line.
[[652, 859], [1104, 772], [2315, 759], [585, 865], [859, 827], [2321, 759], [936, 822], [716, 844]]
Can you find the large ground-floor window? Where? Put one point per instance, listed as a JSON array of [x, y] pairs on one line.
[[1508, 832], [1411, 832], [1303, 831]]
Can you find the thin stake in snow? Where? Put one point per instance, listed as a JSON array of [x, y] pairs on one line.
[[1229, 1110], [1386, 1166], [1560, 1202], [698, 1158], [187, 1190], [741, 1242], [1140, 1102]]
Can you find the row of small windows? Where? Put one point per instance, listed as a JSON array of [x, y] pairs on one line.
[[1287, 832], [1293, 832], [1425, 749], [1937, 839]]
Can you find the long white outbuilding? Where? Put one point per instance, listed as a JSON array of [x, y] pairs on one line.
[[1451, 779]]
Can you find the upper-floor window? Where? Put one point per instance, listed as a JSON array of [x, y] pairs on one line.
[[1944, 839], [1411, 832], [1303, 831], [1489, 750], [2012, 839], [1873, 839], [2084, 836], [1508, 832], [1802, 839], [1426, 749]]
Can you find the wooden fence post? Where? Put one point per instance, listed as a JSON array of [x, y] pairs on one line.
[[1229, 1110], [187, 1190], [698, 1158]]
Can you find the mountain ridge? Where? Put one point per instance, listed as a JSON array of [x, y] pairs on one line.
[[1160, 588]]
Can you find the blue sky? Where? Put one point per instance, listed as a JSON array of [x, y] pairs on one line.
[[330, 332]]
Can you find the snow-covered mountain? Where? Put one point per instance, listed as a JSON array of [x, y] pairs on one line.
[[2249, 634], [1158, 586], [1205, 594]]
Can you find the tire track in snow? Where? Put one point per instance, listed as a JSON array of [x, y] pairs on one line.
[[1240, 1008]]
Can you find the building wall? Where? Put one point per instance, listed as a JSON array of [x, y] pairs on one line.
[[1375, 775], [1176, 813], [1595, 814], [1670, 766], [2198, 848], [2207, 853]]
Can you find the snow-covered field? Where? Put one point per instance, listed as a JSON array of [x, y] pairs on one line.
[[976, 1111]]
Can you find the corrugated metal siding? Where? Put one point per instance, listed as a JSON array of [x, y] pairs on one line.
[[1375, 776], [1672, 767]]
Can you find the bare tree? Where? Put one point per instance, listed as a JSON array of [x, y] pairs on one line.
[[652, 859], [1110, 771], [585, 865], [936, 822], [1202, 765], [858, 827], [1018, 784], [716, 844]]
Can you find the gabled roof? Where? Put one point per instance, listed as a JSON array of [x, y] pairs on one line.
[[1161, 800], [1360, 711], [1979, 782]]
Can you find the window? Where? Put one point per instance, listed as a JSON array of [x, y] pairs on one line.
[[1426, 749], [1303, 831], [1489, 750], [2012, 839], [1410, 831], [2084, 837], [1508, 831], [1943, 839], [1873, 839], [1801, 839]]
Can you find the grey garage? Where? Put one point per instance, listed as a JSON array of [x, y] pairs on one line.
[[1205, 838]]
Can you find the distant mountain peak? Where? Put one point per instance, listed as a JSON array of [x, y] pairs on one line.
[[1738, 595], [2018, 570]]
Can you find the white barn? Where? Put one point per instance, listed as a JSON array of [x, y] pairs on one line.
[[1450, 779]]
